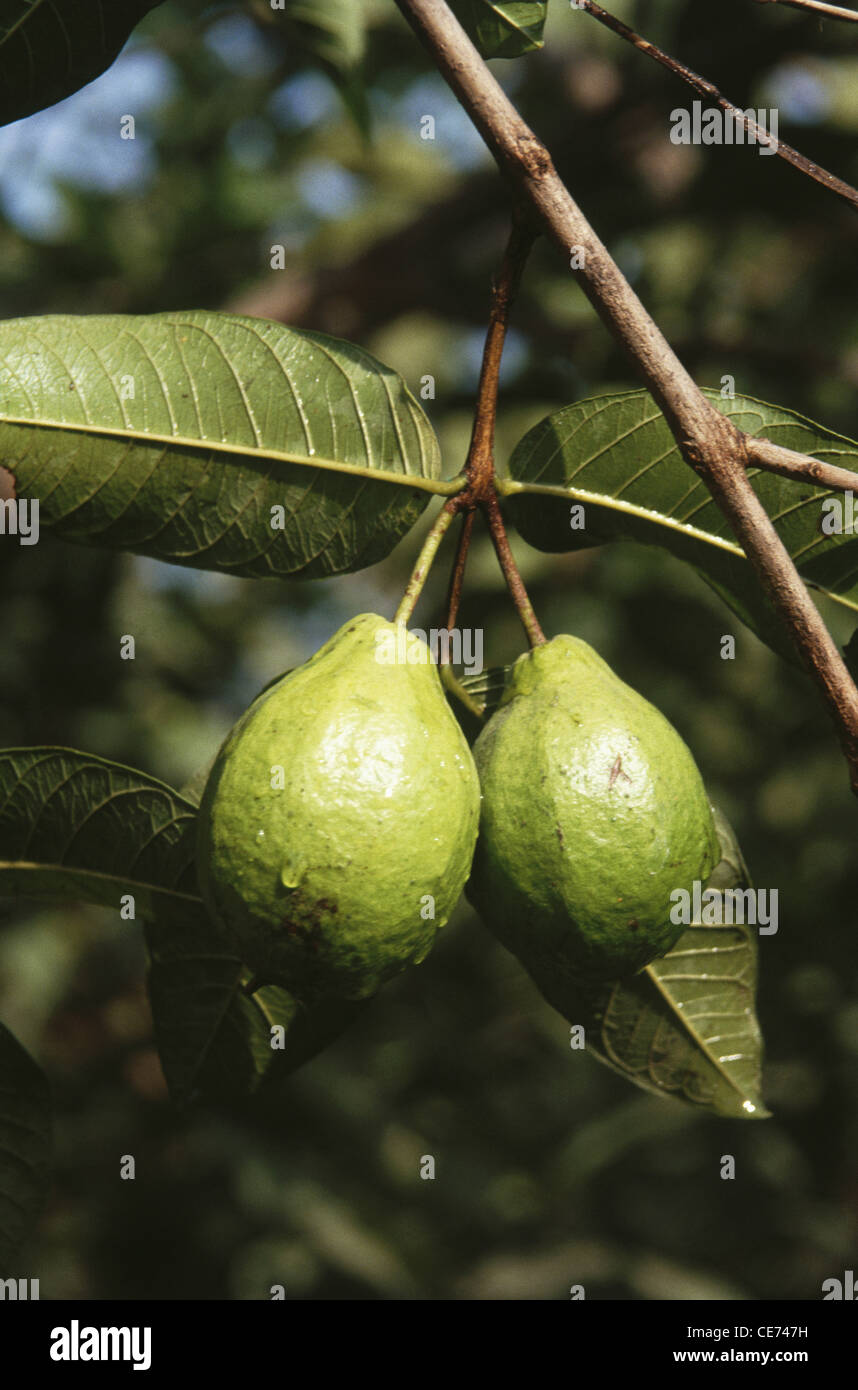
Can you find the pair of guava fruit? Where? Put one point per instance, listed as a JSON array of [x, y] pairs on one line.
[[346, 812]]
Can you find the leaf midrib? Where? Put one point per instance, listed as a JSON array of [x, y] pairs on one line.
[[510, 487], [27, 15], [439, 486], [696, 1037], [97, 875]]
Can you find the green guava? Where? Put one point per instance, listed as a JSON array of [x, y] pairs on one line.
[[337, 827], [593, 813]]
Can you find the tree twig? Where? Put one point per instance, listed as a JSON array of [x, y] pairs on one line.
[[709, 442], [480, 464], [707, 89], [762, 453], [816, 7]]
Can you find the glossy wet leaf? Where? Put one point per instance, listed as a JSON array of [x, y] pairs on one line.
[[25, 1146], [615, 456], [213, 440], [50, 48], [76, 826], [685, 1026]]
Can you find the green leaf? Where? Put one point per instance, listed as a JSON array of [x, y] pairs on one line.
[[502, 30], [334, 31], [684, 1026], [25, 1146], [194, 436], [615, 455], [214, 1039], [333, 34], [76, 826], [50, 48]]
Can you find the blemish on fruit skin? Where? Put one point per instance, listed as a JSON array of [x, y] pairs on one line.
[[617, 771]]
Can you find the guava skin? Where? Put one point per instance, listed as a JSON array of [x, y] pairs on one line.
[[593, 812], [320, 882]]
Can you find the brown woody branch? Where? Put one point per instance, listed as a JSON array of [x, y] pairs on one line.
[[709, 442], [708, 90], [480, 466], [762, 453]]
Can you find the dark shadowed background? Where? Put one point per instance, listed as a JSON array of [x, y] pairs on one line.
[[550, 1170]]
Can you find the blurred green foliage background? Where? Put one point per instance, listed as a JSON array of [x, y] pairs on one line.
[[550, 1170]]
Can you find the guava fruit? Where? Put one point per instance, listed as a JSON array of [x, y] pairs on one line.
[[593, 812], [338, 823]]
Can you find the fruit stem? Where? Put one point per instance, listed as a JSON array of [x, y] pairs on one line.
[[514, 581], [427, 554], [479, 490], [480, 466], [457, 576], [456, 688]]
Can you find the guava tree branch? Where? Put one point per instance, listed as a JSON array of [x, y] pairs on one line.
[[708, 90], [816, 7], [709, 442], [762, 453], [480, 466]]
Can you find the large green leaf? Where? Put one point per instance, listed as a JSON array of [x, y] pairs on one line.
[[685, 1026], [50, 48], [25, 1144], [76, 826], [502, 30], [615, 455], [180, 435], [213, 1037]]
